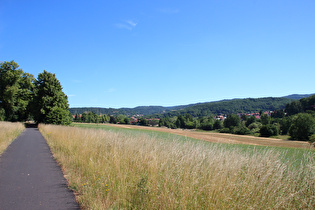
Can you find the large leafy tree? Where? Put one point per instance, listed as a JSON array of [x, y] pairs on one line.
[[50, 103], [16, 92], [265, 119], [293, 108], [303, 126], [180, 122], [232, 120]]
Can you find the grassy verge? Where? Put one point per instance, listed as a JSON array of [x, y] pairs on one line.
[[110, 169], [8, 132]]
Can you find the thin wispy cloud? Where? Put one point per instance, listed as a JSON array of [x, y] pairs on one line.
[[169, 10], [127, 24], [123, 26], [131, 23], [71, 95]]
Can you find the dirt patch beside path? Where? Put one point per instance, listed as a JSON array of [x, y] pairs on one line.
[[223, 138]]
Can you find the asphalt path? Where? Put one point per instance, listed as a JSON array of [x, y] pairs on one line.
[[30, 178]]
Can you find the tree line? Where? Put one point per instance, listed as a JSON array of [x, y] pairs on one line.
[[92, 117], [297, 119], [23, 97]]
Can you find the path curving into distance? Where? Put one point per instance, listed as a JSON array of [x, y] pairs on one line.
[[30, 178]]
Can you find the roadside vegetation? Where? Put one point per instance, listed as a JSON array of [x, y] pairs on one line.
[[8, 132], [109, 169]]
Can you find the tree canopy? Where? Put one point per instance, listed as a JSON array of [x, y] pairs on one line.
[[23, 97], [50, 102], [303, 126], [16, 92]]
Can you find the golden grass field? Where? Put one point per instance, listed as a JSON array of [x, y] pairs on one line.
[[224, 137], [8, 132], [118, 170]]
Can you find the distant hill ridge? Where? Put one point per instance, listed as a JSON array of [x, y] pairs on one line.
[[298, 96], [200, 109]]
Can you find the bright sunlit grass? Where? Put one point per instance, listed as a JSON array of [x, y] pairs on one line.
[[122, 170], [8, 132]]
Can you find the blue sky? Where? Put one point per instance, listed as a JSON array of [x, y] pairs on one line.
[[133, 53]]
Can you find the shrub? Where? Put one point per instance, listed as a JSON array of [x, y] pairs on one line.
[[173, 126], [206, 126], [190, 125], [242, 130], [225, 130], [269, 130], [217, 124], [255, 125]]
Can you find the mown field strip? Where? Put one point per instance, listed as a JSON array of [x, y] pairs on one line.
[[132, 169]]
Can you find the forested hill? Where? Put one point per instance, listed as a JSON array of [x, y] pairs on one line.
[[200, 109], [298, 96], [247, 105]]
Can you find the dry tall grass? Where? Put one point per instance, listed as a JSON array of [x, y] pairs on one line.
[[8, 132], [113, 170]]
